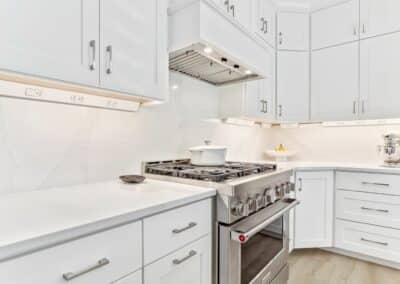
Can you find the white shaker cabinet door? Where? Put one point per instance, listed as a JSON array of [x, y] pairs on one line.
[[264, 20], [51, 39], [241, 12], [314, 214], [379, 17], [292, 86], [380, 84], [191, 264], [335, 25], [293, 31], [334, 83], [131, 32]]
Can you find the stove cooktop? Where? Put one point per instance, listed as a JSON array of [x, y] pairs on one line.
[[183, 169]]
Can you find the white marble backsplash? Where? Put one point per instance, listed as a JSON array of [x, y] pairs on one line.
[[45, 145]]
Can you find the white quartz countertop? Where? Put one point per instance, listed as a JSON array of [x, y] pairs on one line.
[[34, 220], [309, 166]]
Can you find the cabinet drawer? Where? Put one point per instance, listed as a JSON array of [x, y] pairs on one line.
[[369, 240], [169, 231], [191, 264], [381, 210], [119, 249], [135, 278], [368, 182]]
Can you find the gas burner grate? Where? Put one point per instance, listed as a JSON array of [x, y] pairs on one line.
[[183, 169]]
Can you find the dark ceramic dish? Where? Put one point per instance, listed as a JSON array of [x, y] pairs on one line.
[[132, 178]]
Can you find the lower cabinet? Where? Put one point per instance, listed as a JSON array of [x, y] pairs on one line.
[[191, 264], [313, 220]]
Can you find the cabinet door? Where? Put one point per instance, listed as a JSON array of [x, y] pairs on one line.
[[130, 33], [314, 214], [259, 97], [293, 91], [380, 84], [335, 25], [51, 39], [334, 83], [264, 20], [241, 11], [191, 264], [293, 31], [379, 17]]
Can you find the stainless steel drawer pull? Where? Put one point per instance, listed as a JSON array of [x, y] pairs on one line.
[[109, 50], [374, 242], [188, 227], [373, 209], [92, 45], [375, 183], [71, 275], [179, 261]]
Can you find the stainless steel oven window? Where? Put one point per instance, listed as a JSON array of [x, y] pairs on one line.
[[261, 249]]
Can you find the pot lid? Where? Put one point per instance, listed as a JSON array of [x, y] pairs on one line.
[[207, 146]]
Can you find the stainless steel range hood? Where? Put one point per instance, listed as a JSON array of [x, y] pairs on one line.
[[213, 68], [207, 44]]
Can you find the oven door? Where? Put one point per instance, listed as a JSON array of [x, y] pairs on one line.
[[255, 250]]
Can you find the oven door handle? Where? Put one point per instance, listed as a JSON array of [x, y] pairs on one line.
[[243, 237]]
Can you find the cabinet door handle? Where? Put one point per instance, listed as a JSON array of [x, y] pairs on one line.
[[92, 45], [375, 183], [233, 10], [191, 254], [266, 27], [280, 38], [226, 3], [374, 242], [266, 106], [280, 110], [109, 51], [72, 275], [373, 209], [363, 106], [355, 107], [364, 29], [300, 184], [188, 227], [354, 30], [262, 24]]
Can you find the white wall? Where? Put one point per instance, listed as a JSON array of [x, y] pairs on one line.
[[333, 144], [44, 145]]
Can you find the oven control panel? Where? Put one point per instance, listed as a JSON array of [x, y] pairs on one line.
[[258, 201]]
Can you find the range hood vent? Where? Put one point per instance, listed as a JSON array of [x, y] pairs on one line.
[[209, 67]]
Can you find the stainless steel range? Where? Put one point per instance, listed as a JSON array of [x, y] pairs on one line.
[[253, 204]]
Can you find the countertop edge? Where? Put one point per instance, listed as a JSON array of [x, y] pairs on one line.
[[29, 246]]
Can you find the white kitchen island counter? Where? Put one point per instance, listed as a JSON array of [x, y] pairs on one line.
[[35, 220]]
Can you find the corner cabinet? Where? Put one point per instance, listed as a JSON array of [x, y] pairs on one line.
[[115, 45], [313, 221], [293, 31]]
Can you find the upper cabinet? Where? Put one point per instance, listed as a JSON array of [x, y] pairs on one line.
[[51, 39], [335, 25], [379, 17], [264, 20], [293, 86], [239, 10], [380, 70], [115, 45], [293, 31], [334, 83], [133, 46]]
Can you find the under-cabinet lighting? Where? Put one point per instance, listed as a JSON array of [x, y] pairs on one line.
[[208, 50], [248, 72], [175, 87], [265, 125], [290, 125], [240, 122]]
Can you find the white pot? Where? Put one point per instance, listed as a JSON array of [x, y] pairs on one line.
[[208, 155]]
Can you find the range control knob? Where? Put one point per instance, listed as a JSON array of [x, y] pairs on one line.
[[269, 196], [251, 205], [238, 209], [278, 191], [260, 202]]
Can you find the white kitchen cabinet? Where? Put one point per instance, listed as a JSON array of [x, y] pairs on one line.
[[264, 13], [335, 83], [100, 258], [135, 278], [379, 17], [51, 39], [379, 75], [293, 31], [131, 56], [314, 214], [335, 24], [239, 10], [293, 86], [191, 264]]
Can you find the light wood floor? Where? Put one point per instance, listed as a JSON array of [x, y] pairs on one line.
[[321, 267]]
